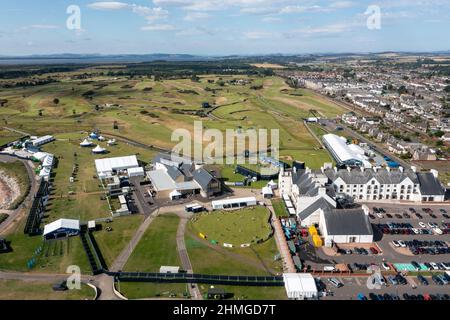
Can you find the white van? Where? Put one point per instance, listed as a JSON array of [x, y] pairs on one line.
[[329, 268]]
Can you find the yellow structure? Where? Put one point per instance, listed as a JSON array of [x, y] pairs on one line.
[[313, 231], [317, 241], [201, 235]]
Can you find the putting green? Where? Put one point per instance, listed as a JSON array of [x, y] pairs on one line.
[[246, 226]]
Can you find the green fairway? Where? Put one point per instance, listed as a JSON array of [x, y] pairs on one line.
[[244, 226], [158, 246], [37, 290]]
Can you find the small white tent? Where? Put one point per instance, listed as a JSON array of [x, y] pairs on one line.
[[86, 143], [98, 149]]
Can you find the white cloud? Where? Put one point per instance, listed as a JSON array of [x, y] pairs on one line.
[[108, 5], [159, 27], [301, 9], [150, 14], [256, 35], [271, 19], [42, 26], [193, 16]]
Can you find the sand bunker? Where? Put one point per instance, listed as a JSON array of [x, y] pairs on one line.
[[9, 190]]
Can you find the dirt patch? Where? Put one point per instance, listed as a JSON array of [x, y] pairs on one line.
[[221, 100], [9, 190]]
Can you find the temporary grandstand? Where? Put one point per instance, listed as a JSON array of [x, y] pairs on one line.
[[32, 226], [344, 154]]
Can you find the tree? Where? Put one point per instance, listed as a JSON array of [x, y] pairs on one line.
[[447, 89], [56, 101]]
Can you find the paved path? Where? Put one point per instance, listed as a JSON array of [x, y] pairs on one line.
[[123, 257], [280, 239], [184, 256]]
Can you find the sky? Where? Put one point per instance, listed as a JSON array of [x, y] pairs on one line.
[[222, 27]]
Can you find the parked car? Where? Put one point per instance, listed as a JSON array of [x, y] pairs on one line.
[[335, 282], [416, 265], [398, 216], [422, 280], [434, 266], [361, 297], [422, 225], [392, 280], [373, 250], [395, 243], [437, 280], [418, 215], [402, 243]]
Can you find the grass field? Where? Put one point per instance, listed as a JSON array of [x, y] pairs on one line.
[[17, 171], [158, 246], [7, 136], [257, 260], [279, 208], [54, 258], [133, 290], [112, 243], [248, 225], [36, 290], [250, 293]]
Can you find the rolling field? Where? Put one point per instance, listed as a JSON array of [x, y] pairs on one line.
[[148, 111]]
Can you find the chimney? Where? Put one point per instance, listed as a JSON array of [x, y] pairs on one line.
[[414, 169], [400, 169], [294, 169], [335, 169], [322, 191], [435, 173], [349, 169], [361, 168], [388, 169]]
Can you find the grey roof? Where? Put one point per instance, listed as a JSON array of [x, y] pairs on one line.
[[174, 172], [383, 176], [320, 203], [304, 182], [167, 158], [429, 185], [347, 222], [202, 177]]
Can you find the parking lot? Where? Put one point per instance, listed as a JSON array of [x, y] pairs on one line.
[[352, 286], [383, 242]]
